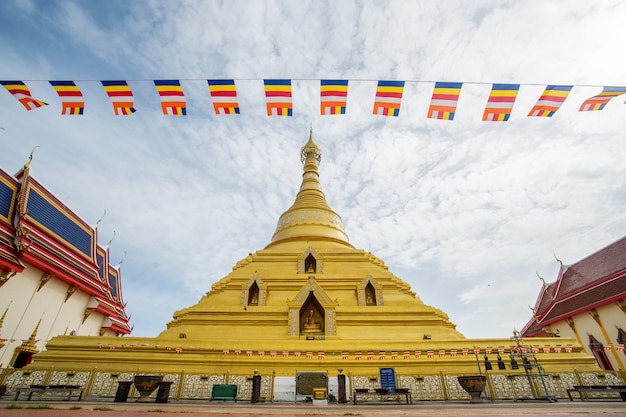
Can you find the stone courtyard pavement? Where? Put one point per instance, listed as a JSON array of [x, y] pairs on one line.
[[60, 408]]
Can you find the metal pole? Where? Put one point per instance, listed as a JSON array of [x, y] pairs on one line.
[[477, 362]]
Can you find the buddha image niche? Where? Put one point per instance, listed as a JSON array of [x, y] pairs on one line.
[[311, 323]]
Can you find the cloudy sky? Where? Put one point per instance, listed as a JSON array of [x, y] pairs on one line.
[[466, 211]]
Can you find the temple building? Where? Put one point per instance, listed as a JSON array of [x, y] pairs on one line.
[[306, 311], [587, 302], [55, 279]]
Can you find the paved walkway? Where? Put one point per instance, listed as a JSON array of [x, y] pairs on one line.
[[60, 408]]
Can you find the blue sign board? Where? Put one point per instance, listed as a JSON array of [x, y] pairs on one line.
[[388, 378]]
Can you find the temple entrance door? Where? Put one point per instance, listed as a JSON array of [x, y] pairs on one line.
[[22, 359], [311, 317]]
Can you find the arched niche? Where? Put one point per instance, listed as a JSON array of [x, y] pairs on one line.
[[369, 292], [311, 317], [254, 292], [312, 297], [310, 262]]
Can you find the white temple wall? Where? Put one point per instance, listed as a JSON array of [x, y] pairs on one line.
[[611, 317], [27, 306], [284, 389], [92, 325], [70, 315]]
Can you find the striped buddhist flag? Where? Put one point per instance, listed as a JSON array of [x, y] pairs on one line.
[[278, 97], [333, 96], [444, 101], [550, 101], [72, 99], [172, 98], [224, 95], [21, 92], [121, 97], [388, 98], [500, 103], [598, 102]]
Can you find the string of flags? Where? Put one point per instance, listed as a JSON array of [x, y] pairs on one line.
[[333, 98]]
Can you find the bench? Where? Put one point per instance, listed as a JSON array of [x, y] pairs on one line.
[[44, 389], [400, 392], [224, 392], [581, 389]]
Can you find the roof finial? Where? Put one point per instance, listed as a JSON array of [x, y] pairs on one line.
[[101, 218], [541, 278], [534, 314], [545, 286], [558, 260], [30, 158], [122, 261], [112, 239]]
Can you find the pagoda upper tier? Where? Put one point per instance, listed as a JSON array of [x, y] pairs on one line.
[[310, 217]]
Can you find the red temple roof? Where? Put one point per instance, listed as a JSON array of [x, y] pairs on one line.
[[597, 280]]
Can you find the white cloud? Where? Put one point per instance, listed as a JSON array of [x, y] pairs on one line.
[[465, 211]]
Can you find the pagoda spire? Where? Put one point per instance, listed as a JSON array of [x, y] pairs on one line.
[[2, 341], [310, 216], [30, 345]]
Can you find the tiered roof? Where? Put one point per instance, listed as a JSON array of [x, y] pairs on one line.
[[37, 229], [593, 282]]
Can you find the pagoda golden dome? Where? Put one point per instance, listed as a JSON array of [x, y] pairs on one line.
[[310, 217]]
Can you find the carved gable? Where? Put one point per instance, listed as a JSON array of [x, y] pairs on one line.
[[303, 262], [312, 288], [369, 284], [245, 291]]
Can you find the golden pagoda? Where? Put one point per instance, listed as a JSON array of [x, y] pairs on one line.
[[310, 288], [308, 302]]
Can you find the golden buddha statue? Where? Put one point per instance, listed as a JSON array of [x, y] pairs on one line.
[[311, 324]]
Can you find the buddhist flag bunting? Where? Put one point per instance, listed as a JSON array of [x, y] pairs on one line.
[[333, 96], [500, 103], [278, 97], [445, 98], [21, 92], [599, 101], [388, 98], [172, 98], [121, 97], [224, 94], [72, 99], [550, 101]]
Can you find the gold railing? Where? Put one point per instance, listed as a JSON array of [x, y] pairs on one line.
[[435, 387]]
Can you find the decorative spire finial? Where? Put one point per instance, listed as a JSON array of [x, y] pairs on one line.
[[4, 315], [101, 218], [558, 260], [311, 147], [122, 261], [30, 345], [541, 278], [30, 157], [112, 239], [2, 341]]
